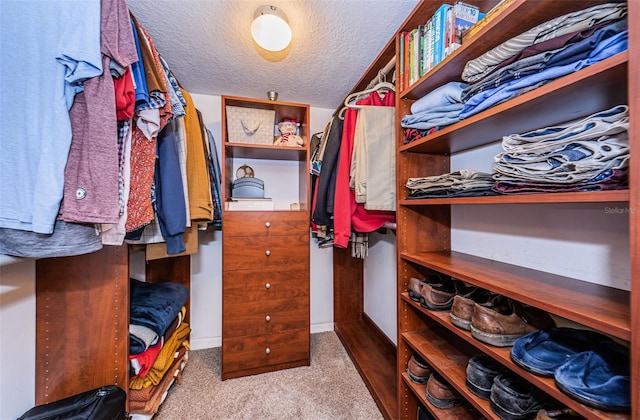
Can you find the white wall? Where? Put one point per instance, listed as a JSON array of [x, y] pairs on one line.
[[17, 337], [17, 293], [380, 300]]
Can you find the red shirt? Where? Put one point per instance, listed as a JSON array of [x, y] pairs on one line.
[[347, 212]]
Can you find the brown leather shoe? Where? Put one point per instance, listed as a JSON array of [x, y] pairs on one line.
[[462, 307], [414, 288], [418, 370], [504, 320], [415, 285], [440, 394], [439, 297]]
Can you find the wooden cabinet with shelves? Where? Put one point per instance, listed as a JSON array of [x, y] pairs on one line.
[[82, 319], [424, 240], [265, 258]]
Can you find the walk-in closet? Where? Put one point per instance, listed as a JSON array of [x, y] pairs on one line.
[[321, 210]]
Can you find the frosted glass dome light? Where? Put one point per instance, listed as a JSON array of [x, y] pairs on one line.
[[270, 28]]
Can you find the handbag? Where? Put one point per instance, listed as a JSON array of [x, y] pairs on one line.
[[104, 403], [250, 125]]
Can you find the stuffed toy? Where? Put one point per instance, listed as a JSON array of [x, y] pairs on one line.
[[289, 137]]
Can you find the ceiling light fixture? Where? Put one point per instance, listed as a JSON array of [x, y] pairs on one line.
[[270, 28]]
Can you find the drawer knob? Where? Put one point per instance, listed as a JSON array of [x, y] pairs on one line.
[[267, 351], [267, 253], [267, 318], [268, 225], [268, 285]]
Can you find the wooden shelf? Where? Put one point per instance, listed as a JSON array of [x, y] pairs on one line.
[[460, 412], [593, 305], [492, 35], [564, 99], [451, 364], [264, 151], [375, 360], [542, 198]]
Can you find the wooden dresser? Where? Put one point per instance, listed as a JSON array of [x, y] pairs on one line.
[[265, 257]]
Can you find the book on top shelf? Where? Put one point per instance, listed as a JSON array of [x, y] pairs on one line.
[[463, 17]]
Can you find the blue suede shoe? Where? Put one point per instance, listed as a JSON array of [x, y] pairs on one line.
[[599, 378], [542, 352]]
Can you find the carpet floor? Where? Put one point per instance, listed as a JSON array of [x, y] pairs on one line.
[[329, 389]]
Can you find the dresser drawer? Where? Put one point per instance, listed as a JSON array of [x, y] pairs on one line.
[[246, 286], [266, 223], [264, 350], [266, 253], [265, 317]]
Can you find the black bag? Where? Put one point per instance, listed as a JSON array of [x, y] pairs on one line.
[[104, 403]]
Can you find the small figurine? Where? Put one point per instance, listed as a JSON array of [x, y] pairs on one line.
[[289, 137]]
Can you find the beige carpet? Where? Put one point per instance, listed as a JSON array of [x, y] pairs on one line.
[[330, 389]]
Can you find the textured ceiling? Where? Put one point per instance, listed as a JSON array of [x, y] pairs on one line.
[[208, 45]]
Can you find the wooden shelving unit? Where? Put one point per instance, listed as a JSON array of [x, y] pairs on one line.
[[82, 319], [424, 237], [424, 225]]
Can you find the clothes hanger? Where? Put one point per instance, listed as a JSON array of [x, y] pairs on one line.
[[382, 86]]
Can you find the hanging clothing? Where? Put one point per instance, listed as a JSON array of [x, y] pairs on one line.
[[113, 234], [373, 166], [324, 196], [91, 173], [170, 206], [149, 122], [349, 214], [200, 204], [45, 61]]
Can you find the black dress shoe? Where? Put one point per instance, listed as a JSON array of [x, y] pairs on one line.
[[513, 398], [481, 370]]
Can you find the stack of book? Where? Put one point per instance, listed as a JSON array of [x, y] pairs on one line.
[[422, 48]]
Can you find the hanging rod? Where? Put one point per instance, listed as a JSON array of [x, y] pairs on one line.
[[382, 72]]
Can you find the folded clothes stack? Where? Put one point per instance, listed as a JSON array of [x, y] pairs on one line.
[[158, 343], [532, 59], [589, 155], [462, 183]]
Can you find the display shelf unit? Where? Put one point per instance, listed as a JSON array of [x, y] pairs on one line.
[[231, 151], [424, 226], [265, 258], [82, 319]]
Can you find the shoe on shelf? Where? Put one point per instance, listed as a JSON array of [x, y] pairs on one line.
[[513, 398], [481, 371], [504, 320], [542, 352], [415, 285], [559, 414], [418, 370], [598, 378], [462, 306], [440, 394], [439, 297]]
